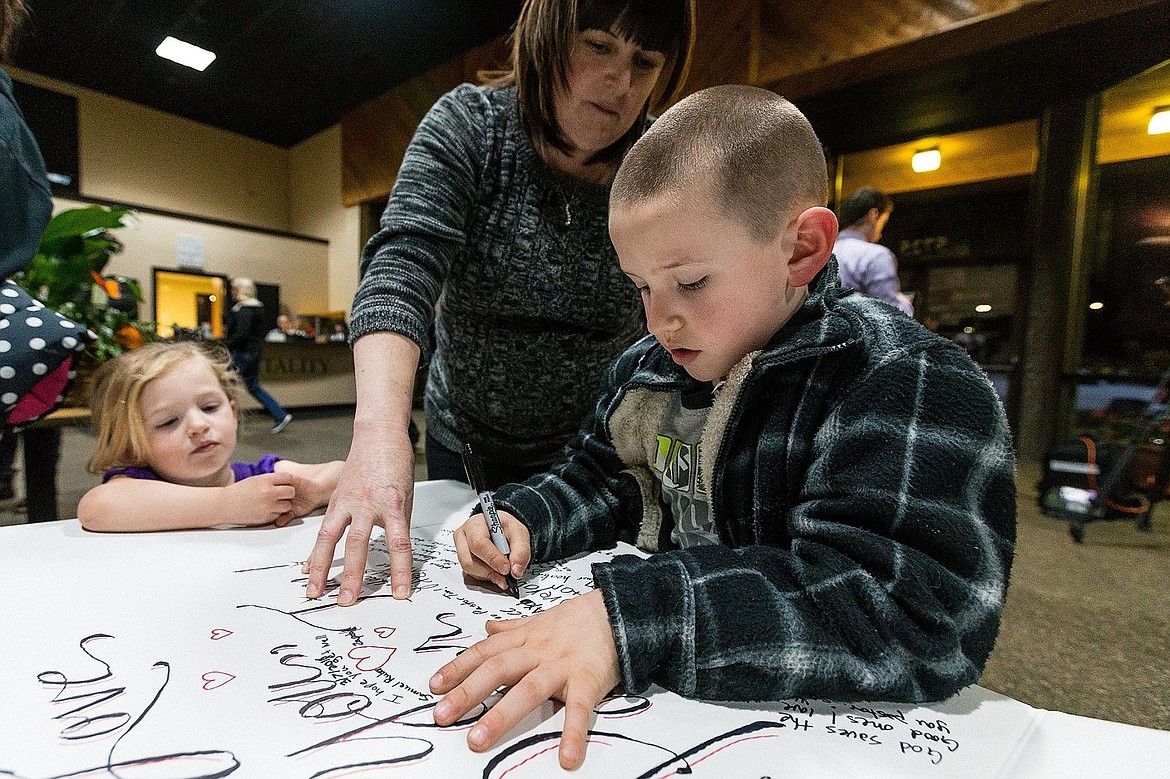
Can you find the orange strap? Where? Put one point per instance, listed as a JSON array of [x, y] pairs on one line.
[[1140, 509], [1091, 459]]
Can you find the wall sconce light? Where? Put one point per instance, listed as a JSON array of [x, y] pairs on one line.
[[926, 160], [1160, 121], [982, 308]]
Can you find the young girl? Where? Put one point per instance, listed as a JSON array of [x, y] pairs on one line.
[[166, 417]]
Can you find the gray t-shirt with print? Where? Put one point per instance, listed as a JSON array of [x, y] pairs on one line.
[[676, 464]]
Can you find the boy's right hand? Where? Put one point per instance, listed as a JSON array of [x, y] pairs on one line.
[[479, 557], [261, 499]]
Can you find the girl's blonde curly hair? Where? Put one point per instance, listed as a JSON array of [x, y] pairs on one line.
[[116, 391]]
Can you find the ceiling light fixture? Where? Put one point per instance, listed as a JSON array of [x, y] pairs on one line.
[[926, 160], [1160, 121], [185, 53], [982, 308]]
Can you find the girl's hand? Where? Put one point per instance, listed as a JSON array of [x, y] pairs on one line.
[[314, 484], [479, 557], [261, 499], [567, 653]]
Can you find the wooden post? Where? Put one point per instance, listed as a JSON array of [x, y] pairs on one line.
[[1062, 199]]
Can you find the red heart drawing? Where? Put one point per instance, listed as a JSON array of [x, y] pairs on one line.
[[384, 632], [371, 658], [219, 633], [213, 679]]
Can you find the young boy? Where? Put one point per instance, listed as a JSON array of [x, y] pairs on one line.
[[828, 486]]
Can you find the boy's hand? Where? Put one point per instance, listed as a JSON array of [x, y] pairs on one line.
[[566, 653], [258, 500], [479, 557]]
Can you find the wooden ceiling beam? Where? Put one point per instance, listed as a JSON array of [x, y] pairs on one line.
[[727, 45], [1033, 18], [802, 37]]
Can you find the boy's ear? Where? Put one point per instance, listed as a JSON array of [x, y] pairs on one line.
[[816, 232]]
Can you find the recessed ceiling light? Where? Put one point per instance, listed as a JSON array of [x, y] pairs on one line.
[[1159, 122], [185, 53], [926, 160]]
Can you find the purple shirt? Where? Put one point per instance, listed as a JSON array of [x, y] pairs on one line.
[[869, 268], [266, 464]]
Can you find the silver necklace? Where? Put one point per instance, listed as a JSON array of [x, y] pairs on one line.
[[560, 187]]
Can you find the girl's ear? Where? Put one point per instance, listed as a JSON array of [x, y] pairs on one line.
[[816, 232]]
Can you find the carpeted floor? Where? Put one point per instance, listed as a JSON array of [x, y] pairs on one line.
[[1087, 626], [1086, 629]]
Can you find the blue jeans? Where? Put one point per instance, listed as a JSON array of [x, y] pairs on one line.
[[248, 365]]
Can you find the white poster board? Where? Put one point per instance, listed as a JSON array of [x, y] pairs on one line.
[[195, 654]]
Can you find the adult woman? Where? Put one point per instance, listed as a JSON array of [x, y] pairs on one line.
[[498, 215], [245, 340]]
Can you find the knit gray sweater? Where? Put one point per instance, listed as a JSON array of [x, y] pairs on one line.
[[532, 306]]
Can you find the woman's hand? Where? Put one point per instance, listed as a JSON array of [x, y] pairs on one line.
[[377, 481], [567, 653], [479, 557], [376, 488]]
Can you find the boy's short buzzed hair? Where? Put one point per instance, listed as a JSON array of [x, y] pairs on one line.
[[756, 151]]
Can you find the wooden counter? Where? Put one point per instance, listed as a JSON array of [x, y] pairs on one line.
[[305, 373]]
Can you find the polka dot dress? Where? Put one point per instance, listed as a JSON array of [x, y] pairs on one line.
[[38, 351]]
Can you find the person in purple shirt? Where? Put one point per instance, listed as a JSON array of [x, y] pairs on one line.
[[166, 417], [863, 263]]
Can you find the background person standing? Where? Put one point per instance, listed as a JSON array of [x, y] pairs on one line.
[[25, 208], [245, 341], [863, 264]]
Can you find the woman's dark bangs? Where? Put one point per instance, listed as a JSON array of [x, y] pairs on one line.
[[655, 25]]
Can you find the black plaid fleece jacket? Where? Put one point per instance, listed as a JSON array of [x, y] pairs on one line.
[[860, 471]]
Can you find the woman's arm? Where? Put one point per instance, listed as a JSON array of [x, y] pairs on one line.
[[125, 504], [376, 484], [237, 328], [404, 267]]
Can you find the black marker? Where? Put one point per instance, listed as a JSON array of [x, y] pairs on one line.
[[479, 483]]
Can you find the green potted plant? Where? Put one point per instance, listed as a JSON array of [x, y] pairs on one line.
[[67, 276]]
